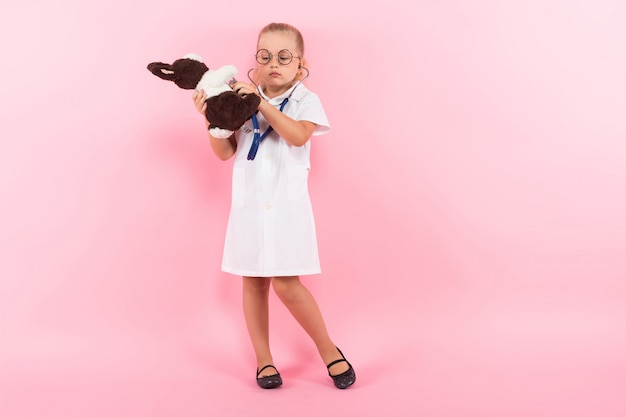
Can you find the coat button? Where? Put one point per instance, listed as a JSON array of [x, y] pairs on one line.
[[268, 156], [268, 206]]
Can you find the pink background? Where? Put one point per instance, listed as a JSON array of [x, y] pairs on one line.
[[470, 203]]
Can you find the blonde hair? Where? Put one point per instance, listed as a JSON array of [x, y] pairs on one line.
[[287, 29]]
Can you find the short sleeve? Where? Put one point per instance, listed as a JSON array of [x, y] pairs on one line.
[[311, 110]]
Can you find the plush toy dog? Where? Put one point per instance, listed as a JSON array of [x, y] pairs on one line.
[[226, 110]]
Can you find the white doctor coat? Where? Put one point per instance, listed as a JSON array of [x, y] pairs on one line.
[[271, 229]]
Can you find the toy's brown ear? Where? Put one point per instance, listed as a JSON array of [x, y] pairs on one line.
[[162, 70]]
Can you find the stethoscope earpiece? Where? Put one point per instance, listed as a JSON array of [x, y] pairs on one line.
[[307, 72]]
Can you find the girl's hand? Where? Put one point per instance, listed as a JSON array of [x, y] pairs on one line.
[[199, 101], [243, 89]]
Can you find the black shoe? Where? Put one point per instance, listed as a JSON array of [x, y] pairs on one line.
[[344, 379], [270, 381]]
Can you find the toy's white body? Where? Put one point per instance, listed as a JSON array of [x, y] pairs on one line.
[[215, 82]]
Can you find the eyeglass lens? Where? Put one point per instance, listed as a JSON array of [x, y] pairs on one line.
[[284, 57]]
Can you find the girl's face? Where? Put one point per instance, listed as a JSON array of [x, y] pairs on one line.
[[277, 75]]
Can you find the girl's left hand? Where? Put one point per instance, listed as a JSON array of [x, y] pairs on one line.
[[243, 89]]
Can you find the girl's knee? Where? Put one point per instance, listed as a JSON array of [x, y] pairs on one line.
[[286, 287]]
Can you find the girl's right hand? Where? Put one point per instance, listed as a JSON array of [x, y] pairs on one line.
[[199, 101]]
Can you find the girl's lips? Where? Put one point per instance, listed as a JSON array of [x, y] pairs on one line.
[[274, 74]]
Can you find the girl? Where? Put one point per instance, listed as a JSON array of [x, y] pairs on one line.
[[270, 239]]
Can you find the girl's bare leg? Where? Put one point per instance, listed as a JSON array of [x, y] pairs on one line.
[[256, 313], [300, 302]]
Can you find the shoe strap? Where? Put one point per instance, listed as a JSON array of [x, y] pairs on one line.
[[343, 359], [264, 368], [336, 362]]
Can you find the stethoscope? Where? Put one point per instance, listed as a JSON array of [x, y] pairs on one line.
[[258, 137]]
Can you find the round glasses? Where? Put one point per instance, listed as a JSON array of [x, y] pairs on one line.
[[284, 57]]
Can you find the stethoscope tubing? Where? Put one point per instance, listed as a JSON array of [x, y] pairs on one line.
[[258, 137]]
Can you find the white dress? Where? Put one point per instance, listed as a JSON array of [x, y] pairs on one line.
[[271, 230]]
